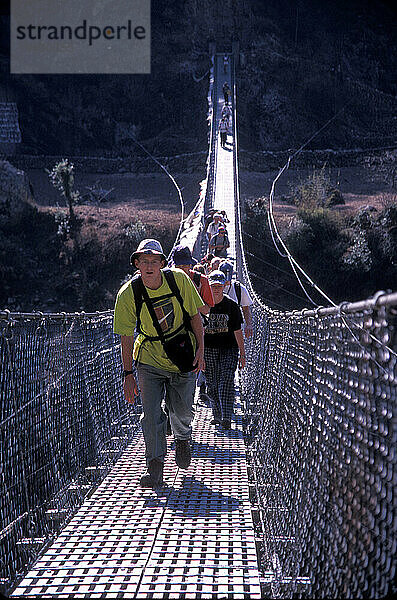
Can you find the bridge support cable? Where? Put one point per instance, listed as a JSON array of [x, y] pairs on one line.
[[320, 399]]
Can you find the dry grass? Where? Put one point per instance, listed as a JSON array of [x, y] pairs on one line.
[[109, 221], [355, 183]]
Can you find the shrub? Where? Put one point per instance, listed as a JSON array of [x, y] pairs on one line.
[[334, 197], [358, 256], [317, 240], [316, 191], [350, 258], [136, 232]]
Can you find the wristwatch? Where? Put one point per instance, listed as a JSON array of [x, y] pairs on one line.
[[126, 373]]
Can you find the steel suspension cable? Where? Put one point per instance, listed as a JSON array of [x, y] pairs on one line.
[[175, 184]]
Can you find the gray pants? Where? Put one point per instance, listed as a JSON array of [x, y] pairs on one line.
[[179, 388]]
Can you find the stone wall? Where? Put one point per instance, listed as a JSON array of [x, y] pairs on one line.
[[182, 163], [196, 161], [267, 161]]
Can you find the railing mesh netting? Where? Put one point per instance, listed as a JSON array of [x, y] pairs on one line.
[[321, 433], [63, 423]]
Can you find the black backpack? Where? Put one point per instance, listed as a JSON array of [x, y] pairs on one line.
[[197, 279], [177, 345], [137, 285]]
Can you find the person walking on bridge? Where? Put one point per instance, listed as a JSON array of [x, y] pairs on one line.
[[226, 111], [213, 227], [184, 260], [239, 293], [227, 92], [224, 349], [162, 305], [224, 130], [219, 243]]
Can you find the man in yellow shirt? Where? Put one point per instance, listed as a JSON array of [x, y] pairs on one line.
[[168, 306]]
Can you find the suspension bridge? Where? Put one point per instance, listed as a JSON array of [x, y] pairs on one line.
[[297, 500]]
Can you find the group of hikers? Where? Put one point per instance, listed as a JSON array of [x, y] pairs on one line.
[[179, 327]]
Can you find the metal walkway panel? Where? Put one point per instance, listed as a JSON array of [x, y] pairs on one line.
[[192, 539]]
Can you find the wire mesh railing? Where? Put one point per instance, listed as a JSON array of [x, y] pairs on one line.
[[212, 121], [63, 424], [321, 430]]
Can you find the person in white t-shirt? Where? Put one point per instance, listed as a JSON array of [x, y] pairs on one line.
[[213, 227], [239, 293]]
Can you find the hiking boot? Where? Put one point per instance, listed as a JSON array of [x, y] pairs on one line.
[[183, 455], [226, 424], [154, 476], [215, 421]]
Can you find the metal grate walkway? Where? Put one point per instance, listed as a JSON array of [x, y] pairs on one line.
[[193, 539], [224, 176]]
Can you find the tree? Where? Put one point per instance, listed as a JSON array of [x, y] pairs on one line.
[[62, 177]]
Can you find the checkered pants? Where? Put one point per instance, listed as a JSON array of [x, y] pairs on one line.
[[220, 366]]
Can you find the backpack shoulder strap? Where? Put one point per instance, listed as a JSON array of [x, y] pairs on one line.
[[237, 287], [197, 278], [136, 285], [170, 278], [156, 324]]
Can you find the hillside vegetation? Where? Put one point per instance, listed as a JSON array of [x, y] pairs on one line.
[[301, 63]]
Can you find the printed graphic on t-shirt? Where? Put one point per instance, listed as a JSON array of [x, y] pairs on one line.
[[217, 324], [164, 310]]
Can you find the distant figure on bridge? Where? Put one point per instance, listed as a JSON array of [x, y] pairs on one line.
[[199, 268], [224, 130], [239, 293], [219, 243], [226, 110], [160, 303], [209, 217], [224, 217], [225, 63], [227, 92], [224, 348], [213, 227], [227, 113], [206, 261]]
